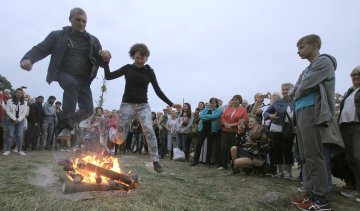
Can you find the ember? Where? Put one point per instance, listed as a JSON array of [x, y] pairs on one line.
[[95, 173]]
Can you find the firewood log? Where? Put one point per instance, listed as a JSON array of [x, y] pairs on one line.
[[70, 187], [131, 180]]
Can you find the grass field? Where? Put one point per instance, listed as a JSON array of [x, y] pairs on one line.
[[32, 182]]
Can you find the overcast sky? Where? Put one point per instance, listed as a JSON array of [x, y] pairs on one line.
[[199, 48]]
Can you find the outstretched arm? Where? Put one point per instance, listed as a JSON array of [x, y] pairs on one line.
[[116, 74], [38, 52]]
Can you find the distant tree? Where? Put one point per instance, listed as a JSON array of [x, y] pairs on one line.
[[4, 83], [103, 88]]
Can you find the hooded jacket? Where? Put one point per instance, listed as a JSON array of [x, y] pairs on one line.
[[320, 79], [56, 44]]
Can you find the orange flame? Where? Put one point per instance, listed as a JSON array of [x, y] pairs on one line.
[[107, 162]]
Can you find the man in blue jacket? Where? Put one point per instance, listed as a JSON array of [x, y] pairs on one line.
[[75, 59]]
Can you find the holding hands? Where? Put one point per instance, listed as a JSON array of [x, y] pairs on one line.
[[105, 55]]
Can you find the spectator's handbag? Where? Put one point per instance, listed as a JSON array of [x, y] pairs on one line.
[[288, 131]]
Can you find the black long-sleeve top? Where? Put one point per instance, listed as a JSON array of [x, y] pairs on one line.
[[137, 83]]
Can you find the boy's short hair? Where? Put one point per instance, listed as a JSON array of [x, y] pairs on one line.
[[76, 10], [310, 39]]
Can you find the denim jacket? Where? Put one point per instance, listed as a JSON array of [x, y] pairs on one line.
[[279, 106]]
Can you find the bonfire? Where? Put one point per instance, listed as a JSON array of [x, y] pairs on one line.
[[95, 172]]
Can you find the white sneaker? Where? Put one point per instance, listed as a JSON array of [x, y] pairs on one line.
[[221, 168], [22, 153], [357, 199], [350, 194], [15, 150], [6, 153]]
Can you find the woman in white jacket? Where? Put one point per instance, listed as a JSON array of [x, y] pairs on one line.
[[16, 109]]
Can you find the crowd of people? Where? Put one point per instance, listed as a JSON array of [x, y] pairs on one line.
[[299, 124]]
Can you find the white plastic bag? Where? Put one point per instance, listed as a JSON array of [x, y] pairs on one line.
[[178, 154]]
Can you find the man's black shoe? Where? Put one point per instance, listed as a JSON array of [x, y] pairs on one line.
[[158, 167]]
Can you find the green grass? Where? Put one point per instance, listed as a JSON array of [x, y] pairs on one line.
[[32, 183]]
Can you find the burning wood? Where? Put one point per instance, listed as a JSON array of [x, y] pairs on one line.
[[70, 187], [125, 178], [95, 173]]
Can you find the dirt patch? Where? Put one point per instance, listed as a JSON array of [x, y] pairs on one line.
[[44, 177]]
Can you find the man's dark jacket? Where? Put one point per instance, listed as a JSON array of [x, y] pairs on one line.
[[55, 44]]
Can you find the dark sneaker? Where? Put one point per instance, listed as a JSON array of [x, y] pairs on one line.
[[194, 164], [158, 167], [233, 171]]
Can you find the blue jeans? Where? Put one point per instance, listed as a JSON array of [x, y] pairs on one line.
[[16, 130], [76, 91], [138, 141], [47, 133], [181, 141]]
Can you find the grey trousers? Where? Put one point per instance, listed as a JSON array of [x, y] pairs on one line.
[[311, 151], [351, 135], [142, 112]]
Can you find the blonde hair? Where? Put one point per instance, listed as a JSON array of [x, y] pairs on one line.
[[356, 71], [310, 39], [287, 85], [277, 94]]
